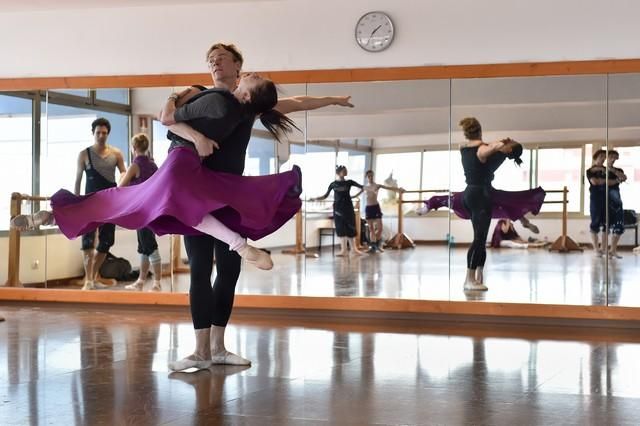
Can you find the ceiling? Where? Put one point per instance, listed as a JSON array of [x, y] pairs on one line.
[[534, 109]]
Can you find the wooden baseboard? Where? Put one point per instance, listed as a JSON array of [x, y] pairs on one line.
[[305, 304]]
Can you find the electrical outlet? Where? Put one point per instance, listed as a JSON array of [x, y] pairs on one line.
[[35, 264]]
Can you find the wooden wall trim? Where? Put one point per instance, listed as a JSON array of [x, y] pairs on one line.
[[353, 304], [523, 69]]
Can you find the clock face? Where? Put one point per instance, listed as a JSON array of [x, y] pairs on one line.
[[374, 31]]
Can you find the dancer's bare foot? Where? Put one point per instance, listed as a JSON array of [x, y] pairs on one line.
[[260, 258]]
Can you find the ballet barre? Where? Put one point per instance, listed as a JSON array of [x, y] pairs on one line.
[[300, 249], [15, 209], [564, 243], [402, 240]]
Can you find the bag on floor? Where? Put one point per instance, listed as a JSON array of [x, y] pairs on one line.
[[117, 268]]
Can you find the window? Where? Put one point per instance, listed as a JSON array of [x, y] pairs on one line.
[[118, 96], [261, 157], [75, 92], [318, 169], [629, 161], [398, 169], [559, 167], [511, 177], [65, 131], [15, 150], [160, 143]]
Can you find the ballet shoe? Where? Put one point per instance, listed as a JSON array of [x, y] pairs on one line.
[[257, 257], [136, 286], [156, 286], [474, 286], [89, 285], [228, 358], [192, 361]]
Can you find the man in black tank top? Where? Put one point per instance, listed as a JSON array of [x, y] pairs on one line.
[[99, 163], [211, 306]]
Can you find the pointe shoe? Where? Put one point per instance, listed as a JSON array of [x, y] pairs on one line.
[[228, 358], [475, 286], [136, 286], [256, 257], [89, 285], [531, 227], [192, 361]]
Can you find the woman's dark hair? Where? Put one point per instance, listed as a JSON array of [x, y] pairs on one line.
[[100, 122], [471, 128], [264, 98], [613, 152], [516, 152], [199, 87], [340, 168], [598, 153]]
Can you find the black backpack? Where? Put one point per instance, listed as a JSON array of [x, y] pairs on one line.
[[117, 268]]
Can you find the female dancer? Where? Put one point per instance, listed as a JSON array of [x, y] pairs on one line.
[[597, 177], [184, 197], [344, 216], [616, 213], [141, 169], [372, 211], [479, 161], [505, 235]]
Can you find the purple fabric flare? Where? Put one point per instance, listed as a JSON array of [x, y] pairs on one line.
[[179, 195], [506, 204]]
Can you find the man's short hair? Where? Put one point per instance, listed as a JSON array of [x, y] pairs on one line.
[[100, 122]]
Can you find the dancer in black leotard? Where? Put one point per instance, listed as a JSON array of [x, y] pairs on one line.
[[479, 161], [344, 216]]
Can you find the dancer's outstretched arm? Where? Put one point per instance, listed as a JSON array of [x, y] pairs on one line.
[[306, 103], [132, 172]]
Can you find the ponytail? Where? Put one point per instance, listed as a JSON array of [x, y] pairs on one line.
[[277, 123], [516, 153]]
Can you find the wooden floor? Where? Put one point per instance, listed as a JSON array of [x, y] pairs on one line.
[[87, 365], [436, 273]]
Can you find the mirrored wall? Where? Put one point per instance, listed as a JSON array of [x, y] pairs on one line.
[[387, 210]]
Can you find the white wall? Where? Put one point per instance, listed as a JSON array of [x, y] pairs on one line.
[[308, 34]]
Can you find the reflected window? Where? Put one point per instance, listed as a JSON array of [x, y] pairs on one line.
[[401, 170], [65, 131], [118, 96], [629, 161], [319, 162], [261, 157], [559, 167], [16, 126], [74, 92], [160, 142]]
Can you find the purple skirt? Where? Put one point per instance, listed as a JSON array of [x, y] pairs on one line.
[[178, 196], [506, 204]]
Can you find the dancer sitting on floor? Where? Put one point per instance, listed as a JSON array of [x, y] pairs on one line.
[[505, 236], [184, 197]]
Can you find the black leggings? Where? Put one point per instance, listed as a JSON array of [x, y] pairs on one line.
[[477, 201], [211, 305]]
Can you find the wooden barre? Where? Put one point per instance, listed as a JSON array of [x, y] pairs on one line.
[[26, 197]]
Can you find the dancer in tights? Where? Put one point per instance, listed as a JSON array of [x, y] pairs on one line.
[[372, 211], [480, 160], [597, 177], [506, 236], [179, 198], [141, 169], [344, 216]]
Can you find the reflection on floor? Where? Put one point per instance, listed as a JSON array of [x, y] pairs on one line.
[[74, 365], [515, 276]]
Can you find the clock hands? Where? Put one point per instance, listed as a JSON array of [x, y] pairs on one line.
[[373, 32]]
